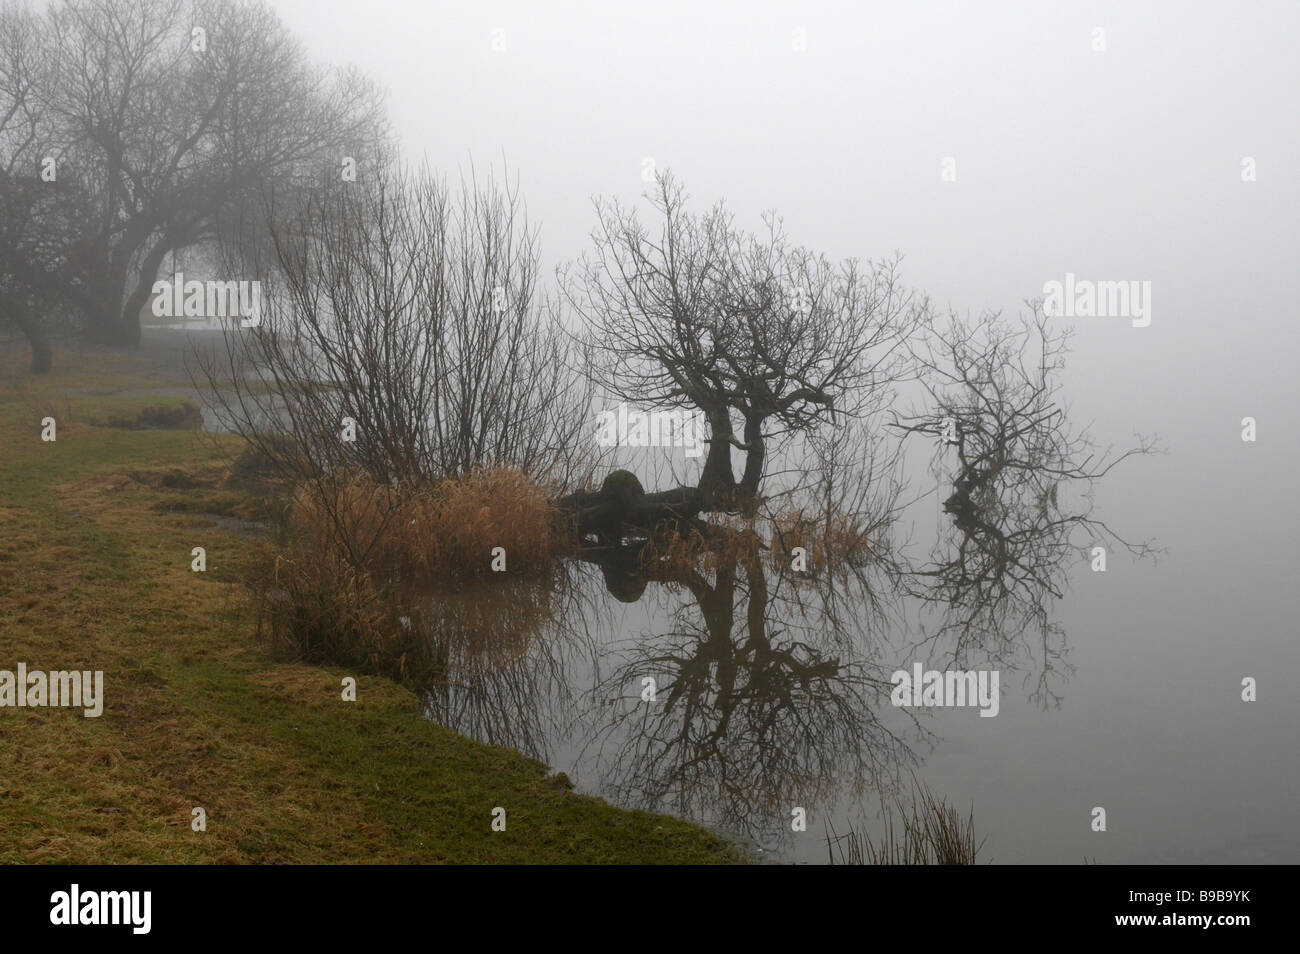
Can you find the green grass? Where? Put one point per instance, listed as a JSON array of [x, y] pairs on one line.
[[95, 574]]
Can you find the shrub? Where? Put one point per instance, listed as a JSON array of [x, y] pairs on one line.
[[263, 460], [184, 415]]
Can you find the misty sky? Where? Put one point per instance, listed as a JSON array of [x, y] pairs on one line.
[[1124, 164], [1115, 165]]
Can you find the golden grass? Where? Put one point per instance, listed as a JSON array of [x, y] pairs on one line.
[[833, 543], [828, 540], [455, 529], [352, 584], [732, 540], [444, 534]]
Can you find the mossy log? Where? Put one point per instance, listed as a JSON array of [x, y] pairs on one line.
[[622, 507]]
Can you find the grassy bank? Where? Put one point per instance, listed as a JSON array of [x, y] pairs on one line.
[[96, 534]]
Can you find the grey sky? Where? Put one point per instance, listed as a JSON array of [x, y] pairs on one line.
[[1122, 164]]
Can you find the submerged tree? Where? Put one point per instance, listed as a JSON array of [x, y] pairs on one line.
[[1021, 479]]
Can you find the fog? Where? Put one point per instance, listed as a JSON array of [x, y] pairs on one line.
[[1124, 163]]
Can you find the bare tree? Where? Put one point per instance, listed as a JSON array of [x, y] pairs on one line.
[[171, 115], [41, 219], [1021, 476], [747, 328]]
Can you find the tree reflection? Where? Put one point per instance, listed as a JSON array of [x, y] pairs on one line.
[[761, 704], [509, 661], [771, 687]]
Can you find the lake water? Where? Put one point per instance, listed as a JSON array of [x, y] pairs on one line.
[[1137, 710], [776, 702]]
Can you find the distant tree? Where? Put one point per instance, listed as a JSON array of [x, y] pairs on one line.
[[172, 116], [38, 224], [39, 230]]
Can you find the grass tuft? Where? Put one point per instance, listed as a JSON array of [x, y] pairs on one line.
[[926, 831], [184, 415], [354, 579]]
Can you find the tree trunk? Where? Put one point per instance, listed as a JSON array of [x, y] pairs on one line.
[[130, 317], [717, 482], [755, 457], [108, 321], [107, 325], [126, 329], [42, 353], [34, 331]]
